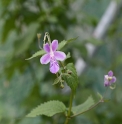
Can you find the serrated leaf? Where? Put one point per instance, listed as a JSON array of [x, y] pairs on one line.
[[48, 109], [39, 53], [71, 78], [84, 106]]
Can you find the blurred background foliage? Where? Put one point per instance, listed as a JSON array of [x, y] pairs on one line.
[[26, 84]]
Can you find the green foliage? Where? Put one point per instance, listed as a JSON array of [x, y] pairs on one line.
[[62, 19], [94, 41], [39, 53], [71, 77], [84, 106], [49, 109], [8, 26], [68, 55], [26, 39], [99, 95], [56, 81], [65, 42]]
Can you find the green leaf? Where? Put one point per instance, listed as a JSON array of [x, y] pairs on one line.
[[99, 95], [48, 109], [64, 42], [56, 81], [71, 77], [39, 53], [68, 55], [72, 39], [8, 26], [84, 106]]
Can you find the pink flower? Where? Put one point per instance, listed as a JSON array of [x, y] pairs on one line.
[[52, 56], [109, 79]]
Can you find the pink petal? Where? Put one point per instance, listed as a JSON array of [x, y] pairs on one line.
[[110, 73], [113, 79], [47, 47], [106, 82], [45, 59], [54, 45], [59, 55], [54, 67]]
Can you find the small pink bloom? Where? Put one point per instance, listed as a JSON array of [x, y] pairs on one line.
[[109, 79], [52, 56]]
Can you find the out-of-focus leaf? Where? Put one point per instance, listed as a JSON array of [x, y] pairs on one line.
[[49, 109], [8, 26], [99, 95], [84, 106], [94, 41], [23, 45], [118, 60], [82, 49]]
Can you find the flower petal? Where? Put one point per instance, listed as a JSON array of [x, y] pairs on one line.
[[59, 55], [110, 73], [105, 77], [113, 79], [47, 47], [54, 67], [54, 45], [45, 59], [106, 82]]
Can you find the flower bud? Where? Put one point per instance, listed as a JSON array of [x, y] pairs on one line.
[[38, 35], [61, 86]]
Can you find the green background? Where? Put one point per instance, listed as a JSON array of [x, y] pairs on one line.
[[26, 84]]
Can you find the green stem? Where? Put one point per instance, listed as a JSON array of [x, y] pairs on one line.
[[62, 64], [70, 108]]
